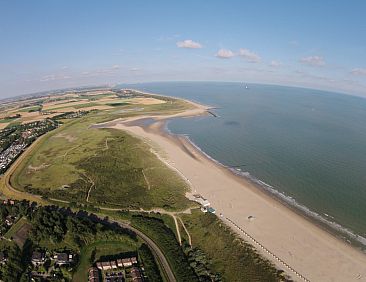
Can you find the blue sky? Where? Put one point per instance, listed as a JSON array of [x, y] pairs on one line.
[[56, 44]]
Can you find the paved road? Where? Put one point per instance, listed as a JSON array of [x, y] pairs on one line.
[[158, 253]]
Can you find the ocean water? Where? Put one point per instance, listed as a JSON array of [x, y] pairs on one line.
[[308, 145]]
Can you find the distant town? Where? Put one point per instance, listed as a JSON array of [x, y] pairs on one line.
[[15, 139]]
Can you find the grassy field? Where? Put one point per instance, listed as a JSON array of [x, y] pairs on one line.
[[6, 120], [31, 109], [98, 96], [79, 106], [16, 226], [227, 252], [19, 231], [91, 253], [112, 167]]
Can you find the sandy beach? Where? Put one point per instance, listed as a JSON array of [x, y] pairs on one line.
[[309, 252]]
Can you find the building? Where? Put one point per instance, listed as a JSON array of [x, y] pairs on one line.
[[38, 258], [114, 277], [126, 262], [113, 264], [63, 258], [93, 274], [211, 210], [106, 265], [203, 202], [119, 263], [136, 275], [2, 258], [9, 220]]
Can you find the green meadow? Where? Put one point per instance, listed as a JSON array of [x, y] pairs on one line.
[[102, 167]]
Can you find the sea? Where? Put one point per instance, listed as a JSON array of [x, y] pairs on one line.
[[306, 147]]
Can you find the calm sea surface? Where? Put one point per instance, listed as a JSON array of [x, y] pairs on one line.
[[309, 145]]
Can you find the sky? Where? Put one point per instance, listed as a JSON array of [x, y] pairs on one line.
[[57, 44]]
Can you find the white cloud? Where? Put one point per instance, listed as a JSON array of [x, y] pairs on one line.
[[358, 71], [275, 64], [225, 54], [52, 77], [102, 71], [190, 44], [249, 55], [315, 61]]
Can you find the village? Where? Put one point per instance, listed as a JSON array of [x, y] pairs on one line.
[[124, 268], [15, 139], [47, 262]]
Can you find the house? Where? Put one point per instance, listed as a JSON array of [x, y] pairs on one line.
[[93, 274], [126, 262], [113, 264], [136, 275], [203, 202], [99, 265], [106, 265], [2, 258], [134, 260], [119, 263], [114, 277], [9, 220], [38, 258], [63, 258]]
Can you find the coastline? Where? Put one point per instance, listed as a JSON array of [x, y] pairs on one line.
[[333, 228], [307, 248]]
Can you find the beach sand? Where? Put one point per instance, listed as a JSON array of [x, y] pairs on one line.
[[306, 248]]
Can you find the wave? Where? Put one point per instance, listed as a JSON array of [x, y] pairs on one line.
[[284, 198]]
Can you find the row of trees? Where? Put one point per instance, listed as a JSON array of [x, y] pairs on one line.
[[52, 224], [151, 268], [18, 209], [165, 238], [15, 266], [199, 261]]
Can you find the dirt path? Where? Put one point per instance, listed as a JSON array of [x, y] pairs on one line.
[[146, 180], [68, 151], [186, 230], [177, 228], [162, 211], [92, 184], [106, 144]]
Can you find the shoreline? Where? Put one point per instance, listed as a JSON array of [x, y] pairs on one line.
[[333, 228], [306, 247], [342, 233]]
